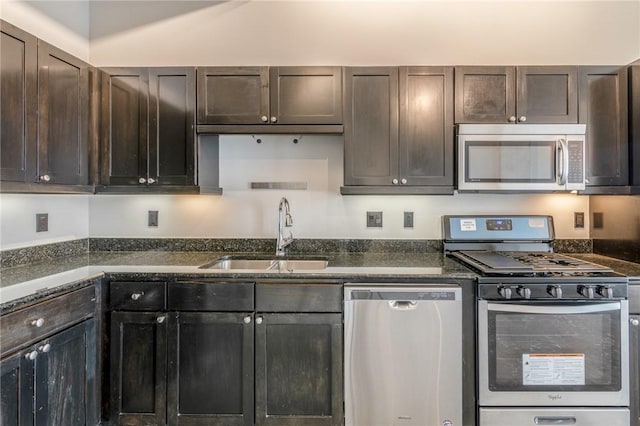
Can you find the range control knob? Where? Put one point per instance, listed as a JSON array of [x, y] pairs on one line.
[[605, 291], [524, 292], [587, 291], [555, 291], [505, 292]]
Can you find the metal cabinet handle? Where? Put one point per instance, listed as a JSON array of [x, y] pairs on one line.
[[403, 181], [31, 356], [142, 180], [247, 319], [45, 178], [160, 319], [522, 119], [137, 296], [264, 118], [512, 119], [151, 180], [395, 181], [44, 348], [38, 322], [274, 119], [634, 322], [259, 320]]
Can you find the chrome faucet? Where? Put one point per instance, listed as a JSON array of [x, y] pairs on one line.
[[284, 219]]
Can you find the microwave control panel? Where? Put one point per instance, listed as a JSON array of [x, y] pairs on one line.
[[576, 162]]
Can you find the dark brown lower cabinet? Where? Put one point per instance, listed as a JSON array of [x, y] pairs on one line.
[[299, 369], [138, 368], [16, 390], [52, 382], [210, 371]]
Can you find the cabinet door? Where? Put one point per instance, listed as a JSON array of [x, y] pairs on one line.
[[16, 391], [124, 114], [305, 95], [299, 369], [371, 126], [210, 369], [63, 123], [547, 94], [233, 95], [18, 104], [485, 94], [634, 359], [65, 374], [634, 126], [426, 126], [604, 109], [172, 100], [138, 368]]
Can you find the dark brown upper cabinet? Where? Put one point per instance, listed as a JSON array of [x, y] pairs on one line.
[[634, 126], [241, 97], [18, 104], [532, 94], [63, 117], [148, 130], [603, 95], [45, 116], [398, 130]]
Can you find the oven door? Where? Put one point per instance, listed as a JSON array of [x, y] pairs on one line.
[[553, 353]]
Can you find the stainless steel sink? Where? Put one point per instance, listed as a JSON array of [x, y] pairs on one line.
[[232, 263]]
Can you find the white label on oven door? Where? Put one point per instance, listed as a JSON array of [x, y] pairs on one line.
[[467, 224], [552, 369]]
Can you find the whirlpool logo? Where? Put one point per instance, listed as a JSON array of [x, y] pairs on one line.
[[555, 397]]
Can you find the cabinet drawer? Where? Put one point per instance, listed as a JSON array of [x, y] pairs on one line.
[[290, 297], [28, 325], [137, 296], [210, 296]]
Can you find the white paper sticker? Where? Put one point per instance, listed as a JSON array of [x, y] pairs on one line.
[[536, 223], [552, 369], [467, 224]]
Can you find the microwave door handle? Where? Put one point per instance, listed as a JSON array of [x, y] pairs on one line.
[[553, 310], [562, 159]]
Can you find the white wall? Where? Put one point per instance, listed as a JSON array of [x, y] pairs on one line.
[[364, 32], [318, 212], [68, 219], [64, 24]]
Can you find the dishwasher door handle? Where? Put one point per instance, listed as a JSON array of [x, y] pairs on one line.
[[403, 305]]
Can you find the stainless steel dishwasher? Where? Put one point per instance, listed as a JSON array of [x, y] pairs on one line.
[[403, 355]]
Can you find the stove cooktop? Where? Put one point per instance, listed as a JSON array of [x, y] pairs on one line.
[[518, 263]]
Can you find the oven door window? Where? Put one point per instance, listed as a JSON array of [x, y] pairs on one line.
[[554, 347]]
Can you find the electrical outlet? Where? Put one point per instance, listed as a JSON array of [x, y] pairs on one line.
[[408, 219], [598, 220], [42, 222], [374, 219], [578, 219], [153, 219]]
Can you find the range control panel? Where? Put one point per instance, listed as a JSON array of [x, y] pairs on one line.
[[552, 290]]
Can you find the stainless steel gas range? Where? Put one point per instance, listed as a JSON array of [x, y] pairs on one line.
[[553, 338]]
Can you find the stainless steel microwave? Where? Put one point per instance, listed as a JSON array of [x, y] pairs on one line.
[[521, 157]]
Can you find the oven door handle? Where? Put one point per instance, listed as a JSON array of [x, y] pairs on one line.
[[544, 420], [547, 309]]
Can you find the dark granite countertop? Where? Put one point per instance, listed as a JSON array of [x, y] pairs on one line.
[[629, 269], [43, 279]]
